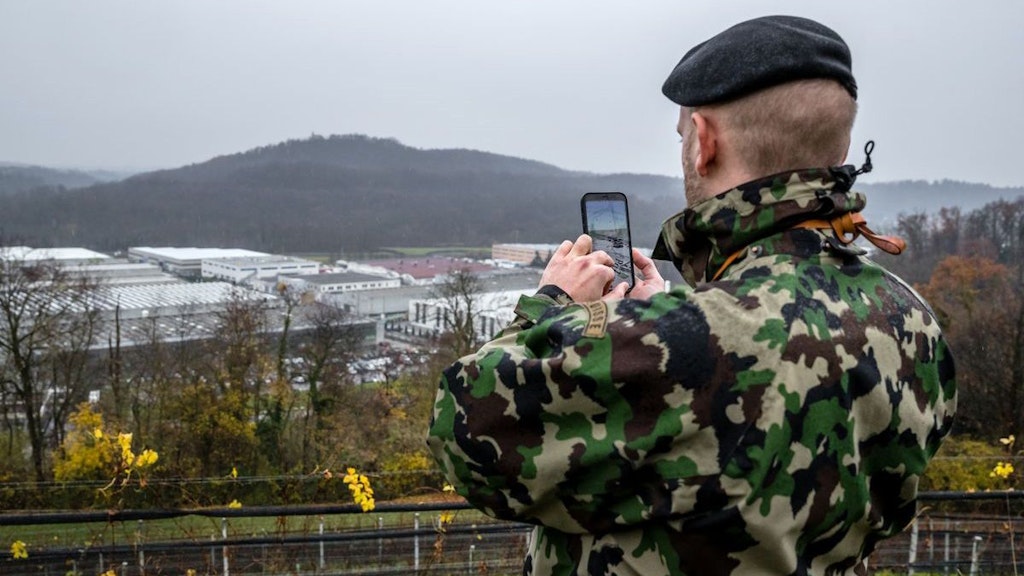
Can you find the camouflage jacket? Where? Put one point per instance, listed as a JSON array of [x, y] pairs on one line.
[[774, 421]]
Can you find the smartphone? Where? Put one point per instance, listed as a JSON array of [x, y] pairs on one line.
[[606, 220]]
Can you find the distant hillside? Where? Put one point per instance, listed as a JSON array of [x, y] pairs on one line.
[[345, 194], [887, 200], [337, 194], [16, 178]]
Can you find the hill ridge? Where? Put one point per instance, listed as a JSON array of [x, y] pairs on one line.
[[355, 193]]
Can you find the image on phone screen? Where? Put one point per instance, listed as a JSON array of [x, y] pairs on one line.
[[606, 220]]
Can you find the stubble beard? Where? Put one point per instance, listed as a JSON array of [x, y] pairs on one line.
[[691, 181]]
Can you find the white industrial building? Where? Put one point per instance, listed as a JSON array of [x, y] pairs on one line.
[[340, 282], [82, 262], [112, 272], [62, 256], [249, 268], [186, 262]]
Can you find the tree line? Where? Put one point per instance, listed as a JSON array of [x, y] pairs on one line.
[[970, 268]]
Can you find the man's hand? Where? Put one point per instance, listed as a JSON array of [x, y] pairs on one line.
[[645, 284], [582, 274], [652, 283]]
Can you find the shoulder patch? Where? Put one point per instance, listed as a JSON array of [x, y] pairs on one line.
[[597, 321]]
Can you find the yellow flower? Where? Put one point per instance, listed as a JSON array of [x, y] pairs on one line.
[[359, 486], [448, 488], [124, 440], [1002, 470], [190, 572], [234, 472], [444, 519], [1008, 441], [97, 434], [147, 458], [19, 550], [235, 504]]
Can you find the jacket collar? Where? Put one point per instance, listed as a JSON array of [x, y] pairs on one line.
[[701, 237]]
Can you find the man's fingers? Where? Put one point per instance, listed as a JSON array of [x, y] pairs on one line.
[[603, 258], [563, 248], [645, 265], [583, 245]]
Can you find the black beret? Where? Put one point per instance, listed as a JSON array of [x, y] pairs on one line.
[[758, 54]]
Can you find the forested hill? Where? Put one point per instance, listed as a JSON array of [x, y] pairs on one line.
[[19, 178], [887, 200], [339, 194], [345, 194]]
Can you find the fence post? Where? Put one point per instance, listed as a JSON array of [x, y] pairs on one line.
[[931, 544], [380, 540], [142, 553], [956, 544], [945, 554], [472, 548], [974, 555], [416, 542], [224, 551], [213, 551], [322, 563], [912, 557]]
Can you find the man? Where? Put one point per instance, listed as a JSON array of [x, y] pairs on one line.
[[772, 418]]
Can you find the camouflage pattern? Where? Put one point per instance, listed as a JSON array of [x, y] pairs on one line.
[[775, 421]]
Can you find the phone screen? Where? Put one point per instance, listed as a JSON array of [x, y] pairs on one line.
[[606, 220]]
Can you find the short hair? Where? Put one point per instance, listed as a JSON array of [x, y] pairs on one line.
[[799, 124]]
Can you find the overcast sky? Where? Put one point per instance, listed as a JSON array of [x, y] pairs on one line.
[[575, 83]]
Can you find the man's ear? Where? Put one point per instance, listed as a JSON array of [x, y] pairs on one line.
[[707, 142]]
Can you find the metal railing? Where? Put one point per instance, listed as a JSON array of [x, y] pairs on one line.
[[948, 538]]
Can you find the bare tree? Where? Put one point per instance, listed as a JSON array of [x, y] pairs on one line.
[[460, 299], [48, 320], [333, 342], [242, 333]]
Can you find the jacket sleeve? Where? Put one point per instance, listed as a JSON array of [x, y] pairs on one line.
[[568, 419]]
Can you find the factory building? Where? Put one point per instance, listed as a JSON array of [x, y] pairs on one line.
[[186, 262], [62, 256], [249, 268], [340, 282]]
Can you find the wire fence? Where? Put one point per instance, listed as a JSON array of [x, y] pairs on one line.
[[956, 533]]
